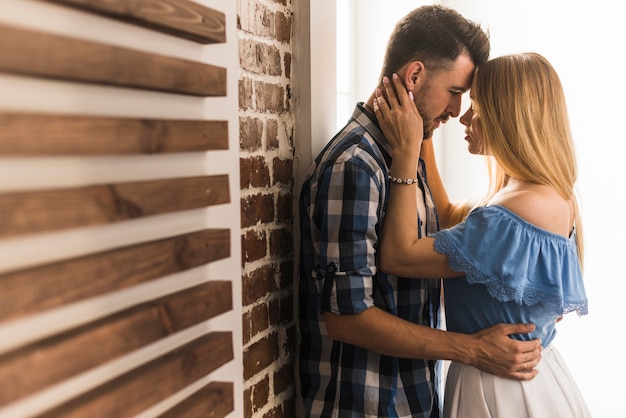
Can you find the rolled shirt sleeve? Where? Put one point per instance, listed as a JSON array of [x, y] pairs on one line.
[[349, 196]]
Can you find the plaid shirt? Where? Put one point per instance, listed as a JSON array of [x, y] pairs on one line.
[[341, 212]]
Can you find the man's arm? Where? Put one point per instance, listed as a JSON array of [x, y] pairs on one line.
[[490, 350]]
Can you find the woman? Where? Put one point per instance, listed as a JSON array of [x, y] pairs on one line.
[[517, 256]]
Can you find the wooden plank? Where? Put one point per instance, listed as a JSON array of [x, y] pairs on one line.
[[49, 134], [37, 289], [48, 210], [40, 54], [182, 18], [215, 400], [44, 363], [132, 393]]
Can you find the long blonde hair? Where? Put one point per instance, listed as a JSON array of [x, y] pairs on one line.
[[525, 125]]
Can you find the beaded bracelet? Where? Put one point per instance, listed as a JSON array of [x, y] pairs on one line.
[[402, 181]]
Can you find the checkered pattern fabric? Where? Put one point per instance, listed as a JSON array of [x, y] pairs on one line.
[[342, 206]]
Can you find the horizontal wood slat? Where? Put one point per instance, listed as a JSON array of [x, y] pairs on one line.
[[134, 392], [47, 362], [40, 54], [215, 400], [48, 134], [41, 288], [48, 210], [182, 18]]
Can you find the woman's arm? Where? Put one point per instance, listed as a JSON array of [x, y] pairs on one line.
[[403, 122], [449, 214], [402, 253], [445, 208]]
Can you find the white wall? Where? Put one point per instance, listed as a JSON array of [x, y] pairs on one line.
[[584, 41], [323, 75]]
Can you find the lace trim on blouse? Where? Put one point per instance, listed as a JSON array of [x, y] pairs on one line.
[[541, 268]]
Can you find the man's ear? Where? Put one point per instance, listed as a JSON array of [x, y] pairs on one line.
[[414, 75]]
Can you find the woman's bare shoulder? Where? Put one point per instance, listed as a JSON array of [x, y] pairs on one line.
[[541, 206]]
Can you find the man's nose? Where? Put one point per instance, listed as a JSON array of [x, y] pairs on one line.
[[454, 107]]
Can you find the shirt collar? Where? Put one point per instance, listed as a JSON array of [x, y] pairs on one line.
[[368, 120]]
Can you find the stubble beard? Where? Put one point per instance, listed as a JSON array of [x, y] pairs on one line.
[[428, 130], [421, 108]]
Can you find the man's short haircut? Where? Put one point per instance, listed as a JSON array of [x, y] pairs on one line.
[[436, 36]]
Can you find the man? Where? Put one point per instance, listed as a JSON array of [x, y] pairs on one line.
[[368, 339]]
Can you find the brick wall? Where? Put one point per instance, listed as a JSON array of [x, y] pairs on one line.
[[266, 165]]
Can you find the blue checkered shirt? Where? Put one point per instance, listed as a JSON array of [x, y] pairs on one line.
[[342, 206]]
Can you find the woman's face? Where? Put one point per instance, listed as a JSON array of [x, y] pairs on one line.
[[473, 131]]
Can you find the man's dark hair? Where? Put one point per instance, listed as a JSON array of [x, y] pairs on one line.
[[435, 35]]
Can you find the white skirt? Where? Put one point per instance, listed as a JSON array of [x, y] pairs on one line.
[[553, 393]]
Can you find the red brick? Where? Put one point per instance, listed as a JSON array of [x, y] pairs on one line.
[[284, 379], [290, 342], [281, 311], [244, 173], [246, 91], [283, 171], [255, 209], [260, 355], [273, 308], [260, 58], [253, 246], [260, 394], [253, 172], [286, 309], [281, 242], [287, 62], [259, 172], [254, 321], [250, 133], [269, 97], [286, 274], [284, 208], [247, 403], [271, 133], [258, 284], [263, 22], [283, 27], [285, 410], [246, 327]]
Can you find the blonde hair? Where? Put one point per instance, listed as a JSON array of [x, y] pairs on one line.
[[526, 127]]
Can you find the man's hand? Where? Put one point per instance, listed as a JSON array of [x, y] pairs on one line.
[[500, 355]]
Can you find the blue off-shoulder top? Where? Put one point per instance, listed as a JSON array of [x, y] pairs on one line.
[[515, 272]]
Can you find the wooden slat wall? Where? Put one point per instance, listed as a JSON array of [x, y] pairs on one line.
[[30, 368], [37, 211], [132, 393], [64, 282], [27, 52], [171, 354], [178, 17], [45, 134]]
